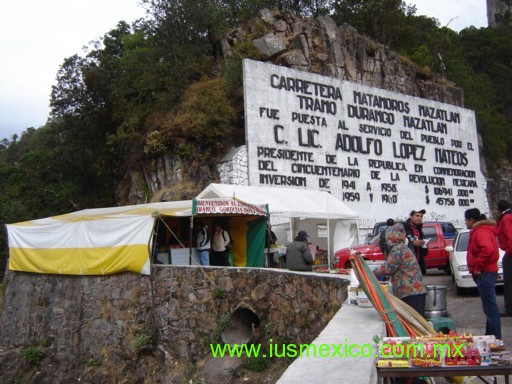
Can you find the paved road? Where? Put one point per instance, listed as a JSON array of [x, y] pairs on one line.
[[466, 309], [467, 312]]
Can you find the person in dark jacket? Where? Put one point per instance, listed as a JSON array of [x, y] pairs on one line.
[[220, 245], [298, 254], [482, 259], [415, 237], [505, 241], [382, 240], [270, 240]]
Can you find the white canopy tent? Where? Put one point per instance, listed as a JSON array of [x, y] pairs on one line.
[[103, 241], [302, 207], [89, 242]]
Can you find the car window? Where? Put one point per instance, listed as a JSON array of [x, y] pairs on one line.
[[375, 240], [449, 230], [462, 242], [377, 229], [430, 233]]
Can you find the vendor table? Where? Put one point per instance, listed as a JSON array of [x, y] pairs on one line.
[[277, 255], [387, 374]]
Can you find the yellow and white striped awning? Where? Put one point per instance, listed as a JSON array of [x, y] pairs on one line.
[[89, 242]]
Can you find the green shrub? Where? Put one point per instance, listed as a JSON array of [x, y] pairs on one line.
[[220, 326], [256, 364], [142, 342], [94, 362], [270, 329], [155, 143], [33, 355], [219, 293]]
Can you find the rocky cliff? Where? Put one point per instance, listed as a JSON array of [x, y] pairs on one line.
[[498, 12], [315, 45]]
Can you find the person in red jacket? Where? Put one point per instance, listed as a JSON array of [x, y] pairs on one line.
[[505, 241], [482, 259]]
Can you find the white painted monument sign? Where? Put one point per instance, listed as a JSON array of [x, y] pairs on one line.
[[380, 152]]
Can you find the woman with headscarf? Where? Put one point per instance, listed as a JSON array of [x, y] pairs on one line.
[[402, 267], [482, 259]]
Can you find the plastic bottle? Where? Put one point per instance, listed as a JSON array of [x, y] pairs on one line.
[[485, 354]]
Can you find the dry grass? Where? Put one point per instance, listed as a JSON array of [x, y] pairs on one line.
[[184, 190]]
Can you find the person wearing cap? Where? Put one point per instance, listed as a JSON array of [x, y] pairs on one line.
[[298, 254], [482, 260], [415, 237], [505, 242]]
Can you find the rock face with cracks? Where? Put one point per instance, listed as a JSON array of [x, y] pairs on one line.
[[314, 45]]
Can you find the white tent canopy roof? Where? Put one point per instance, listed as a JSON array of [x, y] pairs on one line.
[[89, 242], [284, 202], [167, 208]]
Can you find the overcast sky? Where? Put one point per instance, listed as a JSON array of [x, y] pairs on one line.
[[37, 35]]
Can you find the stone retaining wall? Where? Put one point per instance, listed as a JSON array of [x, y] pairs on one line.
[[98, 327]]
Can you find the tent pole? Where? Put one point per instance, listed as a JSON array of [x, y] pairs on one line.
[[191, 239], [152, 246], [329, 246], [267, 244], [152, 240]]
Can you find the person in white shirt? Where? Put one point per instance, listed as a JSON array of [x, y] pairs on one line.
[[203, 244]]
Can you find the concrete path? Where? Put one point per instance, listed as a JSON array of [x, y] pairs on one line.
[[351, 329]]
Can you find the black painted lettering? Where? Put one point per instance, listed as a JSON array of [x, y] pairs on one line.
[[303, 118], [317, 105], [323, 183], [430, 139], [405, 135], [409, 151], [293, 181], [310, 138], [451, 157], [277, 139], [442, 191], [270, 113], [465, 183], [439, 114], [358, 144], [388, 187], [266, 165], [353, 161], [390, 199], [363, 113], [330, 159]]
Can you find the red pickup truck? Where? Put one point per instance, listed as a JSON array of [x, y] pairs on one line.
[[441, 235]]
